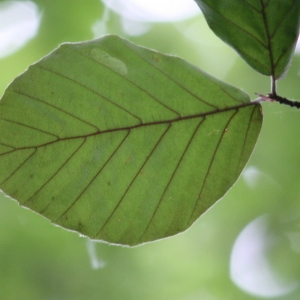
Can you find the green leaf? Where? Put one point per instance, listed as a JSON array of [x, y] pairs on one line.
[[263, 32], [122, 143]]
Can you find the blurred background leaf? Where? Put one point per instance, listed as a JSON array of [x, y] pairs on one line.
[[41, 261]]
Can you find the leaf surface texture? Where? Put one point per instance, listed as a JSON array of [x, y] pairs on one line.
[[121, 143], [263, 32]]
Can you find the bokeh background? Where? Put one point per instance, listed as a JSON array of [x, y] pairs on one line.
[[246, 246]]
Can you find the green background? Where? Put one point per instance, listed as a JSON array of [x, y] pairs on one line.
[[42, 261]]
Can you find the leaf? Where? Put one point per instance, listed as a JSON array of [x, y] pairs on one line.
[[122, 143], [263, 32]]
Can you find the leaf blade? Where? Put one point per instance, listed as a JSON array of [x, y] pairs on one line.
[[263, 32], [118, 157]]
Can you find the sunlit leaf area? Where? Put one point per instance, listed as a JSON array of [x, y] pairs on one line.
[[246, 246]]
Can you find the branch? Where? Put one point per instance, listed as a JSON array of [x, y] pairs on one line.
[[273, 97]]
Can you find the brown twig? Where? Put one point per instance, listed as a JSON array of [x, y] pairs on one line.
[[273, 97]]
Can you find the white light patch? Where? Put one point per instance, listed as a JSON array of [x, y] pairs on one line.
[[254, 177], [250, 269], [154, 10], [19, 23], [297, 49], [95, 261], [251, 176]]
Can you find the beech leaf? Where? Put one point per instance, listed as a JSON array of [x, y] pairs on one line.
[[263, 32], [121, 143]]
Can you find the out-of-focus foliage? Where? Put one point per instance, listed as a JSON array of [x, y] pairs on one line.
[[41, 261]]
